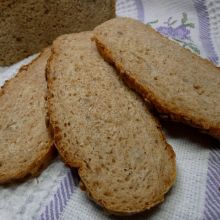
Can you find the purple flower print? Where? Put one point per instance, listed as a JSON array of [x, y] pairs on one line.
[[180, 33], [167, 31]]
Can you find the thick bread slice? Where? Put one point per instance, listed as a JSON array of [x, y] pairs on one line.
[[180, 84], [26, 143], [104, 129], [27, 26]]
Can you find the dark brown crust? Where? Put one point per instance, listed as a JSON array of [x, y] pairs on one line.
[[81, 164], [114, 7], [40, 163], [149, 95]]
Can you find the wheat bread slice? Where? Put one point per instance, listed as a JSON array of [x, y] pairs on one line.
[[181, 85], [26, 143], [104, 129]]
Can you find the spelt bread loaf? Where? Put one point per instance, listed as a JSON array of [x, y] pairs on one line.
[[26, 143], [26, 26], [181, 85], [104, 129]]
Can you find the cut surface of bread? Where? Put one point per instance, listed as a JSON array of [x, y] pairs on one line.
[[104, 129], [27, 26], [179, 84], [26, 143]]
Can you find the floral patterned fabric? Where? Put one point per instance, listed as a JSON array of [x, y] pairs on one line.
[[179, 31]]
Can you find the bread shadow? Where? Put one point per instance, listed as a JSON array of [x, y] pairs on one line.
[[184, 132], [140, 216]]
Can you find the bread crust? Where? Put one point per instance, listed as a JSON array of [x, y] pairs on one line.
[[43, 160], [175, 114]]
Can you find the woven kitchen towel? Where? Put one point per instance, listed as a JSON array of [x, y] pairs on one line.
[[195, 24]]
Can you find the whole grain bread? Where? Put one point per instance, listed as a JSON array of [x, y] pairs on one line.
[[104, 129], [27, 26], [180, 84], [26, 143]]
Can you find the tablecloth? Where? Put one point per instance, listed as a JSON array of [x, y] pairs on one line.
[[55, 194]]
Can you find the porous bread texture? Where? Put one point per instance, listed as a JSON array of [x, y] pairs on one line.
[[27, 26], [178, 83], [104, 129], [26, 142]]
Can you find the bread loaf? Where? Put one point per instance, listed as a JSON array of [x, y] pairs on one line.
[[26, 142], [180, 84], [26, 26], [104, 129]]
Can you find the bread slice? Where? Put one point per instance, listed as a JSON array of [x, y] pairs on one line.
[[180, 84], [28, 26], [26, 143], [104, 129]]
